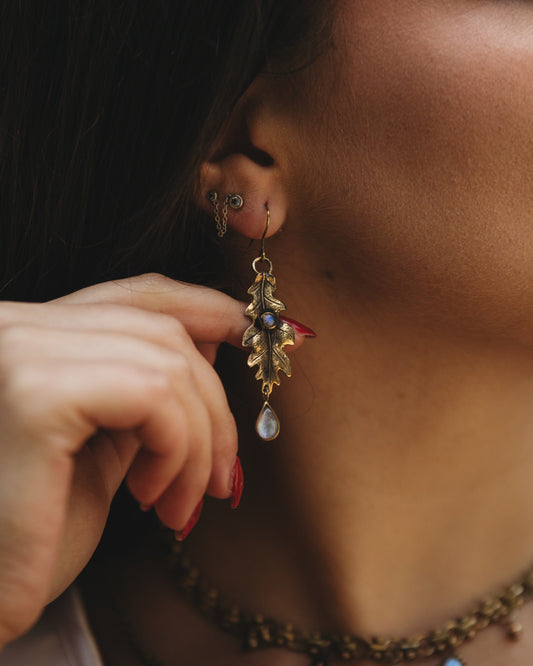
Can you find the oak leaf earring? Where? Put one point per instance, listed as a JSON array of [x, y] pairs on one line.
[[267, 336], [234, 201]]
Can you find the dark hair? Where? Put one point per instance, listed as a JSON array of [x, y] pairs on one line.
[[106, 111]]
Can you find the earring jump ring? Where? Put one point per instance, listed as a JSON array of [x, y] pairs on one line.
[[265, 260]]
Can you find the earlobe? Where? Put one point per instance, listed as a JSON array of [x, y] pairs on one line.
[[256, 183]]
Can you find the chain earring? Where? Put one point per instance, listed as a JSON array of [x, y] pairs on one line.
[[234, 201], [266, 336]]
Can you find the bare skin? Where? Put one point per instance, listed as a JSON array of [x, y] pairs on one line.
[[399, 493], [114, 380]]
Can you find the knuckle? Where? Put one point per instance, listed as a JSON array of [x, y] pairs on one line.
[[180, 366], [23, 381], [25, 395], [15, 336], [123, 291], [171, 327], [152, 278], [11, 311], [156, 383], [151, 281]]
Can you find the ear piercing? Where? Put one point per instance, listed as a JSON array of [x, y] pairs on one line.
[[234, 201]]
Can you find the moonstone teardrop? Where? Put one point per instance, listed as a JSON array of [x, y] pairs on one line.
[[453, 661], [267, 424]]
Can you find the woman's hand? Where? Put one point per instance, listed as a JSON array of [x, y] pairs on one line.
[[110, 381]]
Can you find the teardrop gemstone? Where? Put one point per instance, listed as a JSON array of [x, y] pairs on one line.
[[453, 661], [267, 424]]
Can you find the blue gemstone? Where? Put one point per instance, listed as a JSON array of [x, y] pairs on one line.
[[453, 661], [269, 320]]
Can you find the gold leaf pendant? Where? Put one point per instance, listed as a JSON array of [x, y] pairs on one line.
[[266, 337]]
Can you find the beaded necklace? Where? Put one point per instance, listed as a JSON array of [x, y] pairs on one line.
[[256, 632]]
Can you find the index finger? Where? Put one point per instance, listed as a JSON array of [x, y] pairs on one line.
[[208, 315]]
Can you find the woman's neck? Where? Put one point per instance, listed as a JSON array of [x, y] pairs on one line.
[[396, 497], [399, 491]]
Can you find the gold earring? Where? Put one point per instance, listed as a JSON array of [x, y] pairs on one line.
[[266, 336], [234, 201]]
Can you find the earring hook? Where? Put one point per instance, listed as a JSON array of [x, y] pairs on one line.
[[263, 255]]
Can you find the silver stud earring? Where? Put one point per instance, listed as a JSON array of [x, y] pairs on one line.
[[235, 201]]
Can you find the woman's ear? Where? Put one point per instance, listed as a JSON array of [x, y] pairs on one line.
[[237, 167]]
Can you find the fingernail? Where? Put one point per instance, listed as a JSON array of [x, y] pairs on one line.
[[237, 482], [146, 507], [184, 533], [299, 328]]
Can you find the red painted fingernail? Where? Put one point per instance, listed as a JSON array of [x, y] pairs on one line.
[[237, 482], [184, 533], [299, 328]]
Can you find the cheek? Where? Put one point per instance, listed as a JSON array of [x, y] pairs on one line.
[[428, 167]]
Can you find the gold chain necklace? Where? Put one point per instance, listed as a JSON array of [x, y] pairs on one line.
[[257, 632]]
